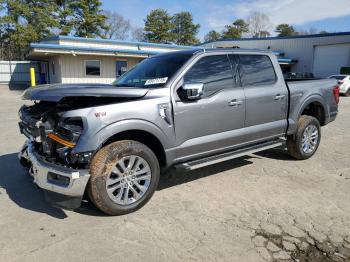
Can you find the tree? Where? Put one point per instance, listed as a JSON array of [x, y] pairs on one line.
[[117, 27], [286, 30], [310, 31], [23, 22], [89, 21], [212, 36], [185, 30], [263, 34], [158, 27], [138, 34], [259, 24], [64, 16], [236, 30], [2, 39], [324, 32], [313, 31]]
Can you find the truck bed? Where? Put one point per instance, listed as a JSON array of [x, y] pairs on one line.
[[303, 92]]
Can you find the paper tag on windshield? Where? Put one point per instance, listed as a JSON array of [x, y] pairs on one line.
[[156, 81]]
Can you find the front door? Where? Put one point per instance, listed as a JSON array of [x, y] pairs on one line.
[[121, 68], [214, 122]]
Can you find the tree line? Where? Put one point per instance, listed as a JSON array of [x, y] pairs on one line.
[[257, 25], [25, 21]]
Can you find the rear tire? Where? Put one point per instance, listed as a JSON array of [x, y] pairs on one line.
[[304, 143], [124, 176], [347, 93]]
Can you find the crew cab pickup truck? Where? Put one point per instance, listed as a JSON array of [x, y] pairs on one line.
[[185, 109]]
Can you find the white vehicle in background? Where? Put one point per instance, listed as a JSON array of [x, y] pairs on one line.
[[344, 83]]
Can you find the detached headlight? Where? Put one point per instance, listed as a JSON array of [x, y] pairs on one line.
[[67, 132], [70, 128]]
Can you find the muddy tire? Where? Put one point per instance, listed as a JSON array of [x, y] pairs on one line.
[[304, 143], [347, 93], [124, 176]]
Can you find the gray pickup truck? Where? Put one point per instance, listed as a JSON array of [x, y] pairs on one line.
[[185, 109]]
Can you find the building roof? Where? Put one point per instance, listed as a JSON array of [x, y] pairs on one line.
[[112, 41], [93, 46], [280, 38], [70, 49]]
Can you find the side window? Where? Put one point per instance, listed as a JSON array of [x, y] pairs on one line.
[[213, 71], [256, 70]]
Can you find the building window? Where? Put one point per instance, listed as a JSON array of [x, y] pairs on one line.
[[122, 67], [93, 67]]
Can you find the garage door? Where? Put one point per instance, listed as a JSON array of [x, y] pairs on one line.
[[328, 59]]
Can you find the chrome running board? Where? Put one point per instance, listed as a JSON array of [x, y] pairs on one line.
[[195, 164]]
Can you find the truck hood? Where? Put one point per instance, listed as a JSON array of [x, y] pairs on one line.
[[56, 92]]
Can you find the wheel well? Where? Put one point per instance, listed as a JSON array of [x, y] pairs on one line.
[[316, 110], [145, 138]]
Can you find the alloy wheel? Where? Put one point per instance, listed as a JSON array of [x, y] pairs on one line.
[[129, 180], [310, 139]]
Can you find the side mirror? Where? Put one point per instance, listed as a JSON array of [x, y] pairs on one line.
[[193, 91]]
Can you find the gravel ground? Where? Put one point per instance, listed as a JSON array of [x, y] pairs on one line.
[[263, 207]]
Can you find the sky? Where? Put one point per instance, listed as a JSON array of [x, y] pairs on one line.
[[329, 15]]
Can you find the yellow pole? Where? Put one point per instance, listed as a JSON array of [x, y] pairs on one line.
[[32, 77]]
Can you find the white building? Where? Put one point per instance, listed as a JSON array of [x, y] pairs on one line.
[[322, 54], [65, 59]]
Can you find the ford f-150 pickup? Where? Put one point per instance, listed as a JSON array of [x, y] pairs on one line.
[[185, 109]]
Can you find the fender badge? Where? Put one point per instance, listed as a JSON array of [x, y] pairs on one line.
[[163, 112], [100, 114]]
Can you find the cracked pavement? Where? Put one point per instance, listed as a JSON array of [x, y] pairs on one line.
[[263, 207]]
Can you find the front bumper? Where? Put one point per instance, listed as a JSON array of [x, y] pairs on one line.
[[64, 187]]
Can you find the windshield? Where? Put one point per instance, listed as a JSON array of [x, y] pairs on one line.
[[338, 77], [153, 72]]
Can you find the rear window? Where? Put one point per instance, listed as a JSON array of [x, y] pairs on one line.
[[338, 77], [256, 70]]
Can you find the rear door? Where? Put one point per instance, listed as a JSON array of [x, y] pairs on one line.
[[266, 98], [213, 122]]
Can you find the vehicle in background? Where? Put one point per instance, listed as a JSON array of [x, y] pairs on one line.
[[344, 83], [298, 76], [186, 109]]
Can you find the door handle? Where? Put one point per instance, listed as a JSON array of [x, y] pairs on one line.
[[235, 102], [279, 97]]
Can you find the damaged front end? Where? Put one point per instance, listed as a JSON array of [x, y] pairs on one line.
[[52, 135], [58, 125], [48, 153]]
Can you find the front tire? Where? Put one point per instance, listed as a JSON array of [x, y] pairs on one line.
[[304, 143], [124, 176]]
